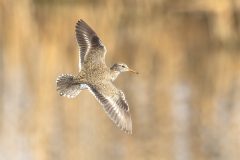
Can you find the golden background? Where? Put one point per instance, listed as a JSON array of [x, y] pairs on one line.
[[185, 104]]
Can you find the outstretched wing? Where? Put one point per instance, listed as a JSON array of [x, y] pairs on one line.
[[91, 47], [114, 103]]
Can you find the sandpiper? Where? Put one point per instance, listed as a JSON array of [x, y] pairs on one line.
[[95, 76]]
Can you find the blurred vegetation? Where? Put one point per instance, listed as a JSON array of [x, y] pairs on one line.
[[185, 104]]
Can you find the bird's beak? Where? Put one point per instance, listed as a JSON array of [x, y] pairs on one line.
[[130, 70]]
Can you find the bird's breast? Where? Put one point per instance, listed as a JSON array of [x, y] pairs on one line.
[[114, 75]]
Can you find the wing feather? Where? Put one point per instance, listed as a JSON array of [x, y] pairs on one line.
[[114, 103], [90, 44]]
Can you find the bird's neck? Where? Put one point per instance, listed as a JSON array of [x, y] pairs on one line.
[[114, 74]]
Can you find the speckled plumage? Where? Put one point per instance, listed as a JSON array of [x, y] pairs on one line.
[[95, 76]]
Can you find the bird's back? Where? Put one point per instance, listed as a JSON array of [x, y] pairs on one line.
[[95, 73]]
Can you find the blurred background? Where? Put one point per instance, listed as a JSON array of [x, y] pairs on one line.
[[185, 104]]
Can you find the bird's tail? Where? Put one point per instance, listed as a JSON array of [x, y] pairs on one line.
[[66, 86]]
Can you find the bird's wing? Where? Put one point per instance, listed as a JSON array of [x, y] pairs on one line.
[[91, 47], [114, 103]]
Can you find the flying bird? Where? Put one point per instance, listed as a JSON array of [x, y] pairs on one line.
[[95, 76]]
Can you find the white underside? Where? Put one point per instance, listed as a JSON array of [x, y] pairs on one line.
[[83, 86]]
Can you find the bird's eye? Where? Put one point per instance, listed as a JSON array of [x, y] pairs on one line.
[[123, 66]]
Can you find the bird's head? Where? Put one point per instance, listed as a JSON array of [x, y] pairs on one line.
[[121, 67]]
